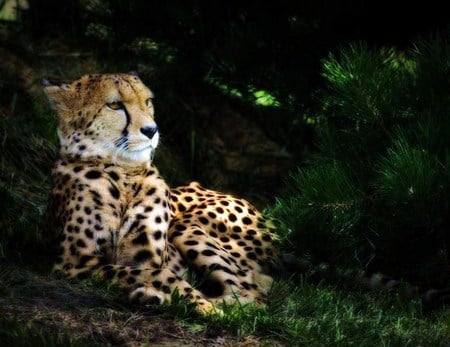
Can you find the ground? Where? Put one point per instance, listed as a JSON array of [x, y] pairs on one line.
[[51, 308]]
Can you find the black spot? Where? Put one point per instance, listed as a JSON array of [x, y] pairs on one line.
[[246, 220], [224, 239], [158, 220], [151, 191], [222, 228], [157, 235], [148, 209], [211, 214], [251, 255], [236, 254], [135, 272], [245, 285], [141, 239], [235, 236], [188, 198], [87, 210], [190, 243], [157, 284], [181, 207], [267, 238], [208, 253], [113, 175], [224, 203], [114, 192], [171, 279], [180, 227], [77, 168], [142, 256], [211, 245], [73, 249], [237, 229], [227, 270], [230, 282], [220, 210], [81, 244], [155, 273], [82, 147], [192, 254], [93, 174], [257, 242], [166, 289]]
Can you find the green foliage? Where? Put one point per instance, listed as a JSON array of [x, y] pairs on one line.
[[376, 193], [326, 210], [409, 181]]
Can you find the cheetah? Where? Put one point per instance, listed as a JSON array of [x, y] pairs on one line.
[[117, 218]]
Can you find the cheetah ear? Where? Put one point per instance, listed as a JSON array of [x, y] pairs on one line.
[[57, 93]]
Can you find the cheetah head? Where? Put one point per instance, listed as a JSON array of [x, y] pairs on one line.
[[107, 116]]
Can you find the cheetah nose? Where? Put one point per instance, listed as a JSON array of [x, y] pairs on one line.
[[149, 131]]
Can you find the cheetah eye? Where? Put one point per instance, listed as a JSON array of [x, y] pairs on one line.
[[149, 102], [115, 105]]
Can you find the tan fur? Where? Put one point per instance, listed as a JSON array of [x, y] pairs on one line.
[[118, 218]]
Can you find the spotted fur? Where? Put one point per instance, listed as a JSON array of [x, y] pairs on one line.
[[117, 217]]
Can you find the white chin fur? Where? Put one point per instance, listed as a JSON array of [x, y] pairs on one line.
[[139, 156], [142, 155]]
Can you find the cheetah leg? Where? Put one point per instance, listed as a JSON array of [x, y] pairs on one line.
[[232, 282], [143, 283], [154, 285]]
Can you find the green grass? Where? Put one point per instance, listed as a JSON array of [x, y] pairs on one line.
[[23, 334], [322, 315], [299, 314], [318, 315]]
